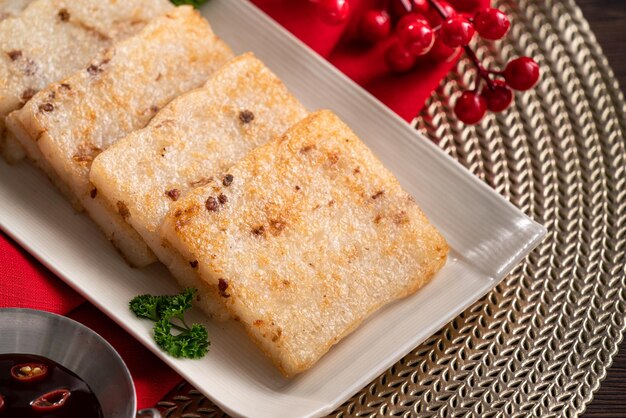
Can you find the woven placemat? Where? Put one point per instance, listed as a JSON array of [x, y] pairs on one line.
[[540, 343]]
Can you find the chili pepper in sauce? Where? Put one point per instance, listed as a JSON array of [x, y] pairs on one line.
[[35, 387], [29, 372], [51, 401]]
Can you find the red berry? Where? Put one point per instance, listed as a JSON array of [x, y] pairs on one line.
[[334, 12], [499, 97], [491, 24], [440, 51], [420, 6], [400, 8], [470, 107], [375, 25], [457, 31], [399, 59], [522, 73], [433, 16], [415, 34], [408, 20], [469, 6]]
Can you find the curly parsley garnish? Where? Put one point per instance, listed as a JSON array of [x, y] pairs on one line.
[[169, 312], [194, 3]]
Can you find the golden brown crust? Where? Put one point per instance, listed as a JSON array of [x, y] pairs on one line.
[[314, 234], [51, 39], [192, 142], [68, 123]]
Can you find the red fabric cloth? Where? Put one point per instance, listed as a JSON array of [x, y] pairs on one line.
[[24, 282], [405, 93]]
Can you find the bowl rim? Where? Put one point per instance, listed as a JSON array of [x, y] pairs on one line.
[[29, 312]]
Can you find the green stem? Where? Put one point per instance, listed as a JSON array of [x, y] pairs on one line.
[[179, 328]]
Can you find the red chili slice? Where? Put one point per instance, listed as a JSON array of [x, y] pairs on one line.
[[51, 401], [1, 403], [29, 372]]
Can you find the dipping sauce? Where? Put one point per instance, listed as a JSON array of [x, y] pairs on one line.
[[36, 387]]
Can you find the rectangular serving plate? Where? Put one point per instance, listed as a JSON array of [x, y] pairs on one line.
[[487, 235]]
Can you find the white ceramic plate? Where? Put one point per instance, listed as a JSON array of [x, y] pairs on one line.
[[488, 237]]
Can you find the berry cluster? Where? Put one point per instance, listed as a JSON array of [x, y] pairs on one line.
[[434, 30]]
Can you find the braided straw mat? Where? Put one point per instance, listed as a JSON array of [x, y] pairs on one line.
[[540, 343]]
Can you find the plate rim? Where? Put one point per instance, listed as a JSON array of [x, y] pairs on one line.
[[538, 235]]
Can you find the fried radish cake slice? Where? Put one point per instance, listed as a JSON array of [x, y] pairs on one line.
[[67, 124], [52, 39], [193, 141], [312, 235]]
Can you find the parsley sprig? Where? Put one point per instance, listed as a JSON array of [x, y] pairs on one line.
[[194, 3], [168, 312]]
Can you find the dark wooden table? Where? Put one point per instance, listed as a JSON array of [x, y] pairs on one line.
[[607, 19]]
